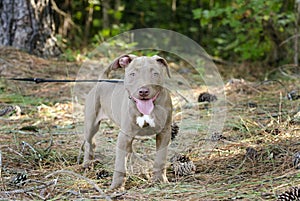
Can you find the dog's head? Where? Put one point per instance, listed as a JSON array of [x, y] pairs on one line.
[[144, 78]]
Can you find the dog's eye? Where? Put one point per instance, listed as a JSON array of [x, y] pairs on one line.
[[155, 74]]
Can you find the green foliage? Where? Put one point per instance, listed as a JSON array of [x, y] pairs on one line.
[[235, 30], [245, 29], [69, 55], [104, 34], [20, 99]]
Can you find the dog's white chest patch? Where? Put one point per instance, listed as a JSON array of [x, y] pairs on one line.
[[145, 119]]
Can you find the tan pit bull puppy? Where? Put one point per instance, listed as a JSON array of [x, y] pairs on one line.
[[140, 106]]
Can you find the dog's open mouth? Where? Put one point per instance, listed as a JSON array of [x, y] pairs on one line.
[[145, 106]]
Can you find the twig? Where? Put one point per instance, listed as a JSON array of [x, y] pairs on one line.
[[67, 133], [268, 81], [1, 179], [288, 39], [25, 190], [114, 195], [37, 195], [66, 15], [81, 177], [36, 153], [285, 74], [221, 61], [182, 96], [27, 144], [280, 108], [14, 151], [1, 59]]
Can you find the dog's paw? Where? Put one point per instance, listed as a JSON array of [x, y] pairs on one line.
[[87, 164], [90, 164], [118, 181], [159, 177], [117, 185]]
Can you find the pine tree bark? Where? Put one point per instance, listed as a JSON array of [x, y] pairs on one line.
[[28, 25], [296, 43], [105, 16]]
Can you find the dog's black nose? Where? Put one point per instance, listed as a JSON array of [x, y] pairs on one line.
[[143, 92]]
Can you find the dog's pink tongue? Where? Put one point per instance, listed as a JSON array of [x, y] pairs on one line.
[[144, 106]]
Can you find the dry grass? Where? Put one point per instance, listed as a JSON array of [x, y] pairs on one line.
[[43, 142]]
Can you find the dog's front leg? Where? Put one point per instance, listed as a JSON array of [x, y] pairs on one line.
[[159, 168], [124, 148]]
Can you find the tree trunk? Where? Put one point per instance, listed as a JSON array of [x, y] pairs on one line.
[[88, 24], [105, 17], [117, 7], [296, 44], [28, 25]]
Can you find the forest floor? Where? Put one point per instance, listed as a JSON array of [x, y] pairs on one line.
[[41, 137]]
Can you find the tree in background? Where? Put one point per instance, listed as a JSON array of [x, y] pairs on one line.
[[235, 30], [28, 25], [249, 30]]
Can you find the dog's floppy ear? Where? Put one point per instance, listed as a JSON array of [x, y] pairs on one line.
[[163, 62], [122, 61]]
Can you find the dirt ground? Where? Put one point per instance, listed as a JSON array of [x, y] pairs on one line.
[[252, 158]]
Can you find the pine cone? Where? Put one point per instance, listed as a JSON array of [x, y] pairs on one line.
[[206, 97], [251, 153], [217, 136], [296, 160], [182, 165], [20, 178], [293, 95], [7, 110], [252, 105], [292, 195], [102, 174], [174, 131]]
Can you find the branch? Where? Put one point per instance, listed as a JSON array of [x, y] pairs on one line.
[[288, 39], [81, 177], [25, 190], [62, 13], [1, 179]]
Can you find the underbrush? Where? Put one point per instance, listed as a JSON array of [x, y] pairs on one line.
[[252, 159]]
